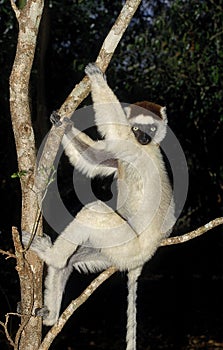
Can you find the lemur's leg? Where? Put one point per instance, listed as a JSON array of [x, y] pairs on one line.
[[55, 283], [96, 226], [55, 254]]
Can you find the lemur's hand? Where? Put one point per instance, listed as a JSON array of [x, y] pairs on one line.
[[55, 119], [93, 71]]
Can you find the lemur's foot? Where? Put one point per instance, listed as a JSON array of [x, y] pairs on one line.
[[38, 244], [43, 312]]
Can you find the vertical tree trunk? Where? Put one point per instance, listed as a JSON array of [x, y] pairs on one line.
[[29, 335]]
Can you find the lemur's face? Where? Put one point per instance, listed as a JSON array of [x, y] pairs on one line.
[[146, 125], [148, 129], [144, 133]]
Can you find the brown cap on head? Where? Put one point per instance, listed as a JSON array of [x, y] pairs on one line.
[[158, 110]]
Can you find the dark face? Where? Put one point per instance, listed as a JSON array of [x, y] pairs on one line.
[[144, 133]]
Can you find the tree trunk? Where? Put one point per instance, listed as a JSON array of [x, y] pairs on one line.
[[29, 334]]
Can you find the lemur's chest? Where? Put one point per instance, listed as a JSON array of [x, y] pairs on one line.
[[139, 186], [138, 174], [130, 176], [131, 189]]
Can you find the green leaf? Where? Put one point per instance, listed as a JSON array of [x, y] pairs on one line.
[[19, 174]]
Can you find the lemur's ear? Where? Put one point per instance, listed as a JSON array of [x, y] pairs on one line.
[[163, 113], [127, 111]]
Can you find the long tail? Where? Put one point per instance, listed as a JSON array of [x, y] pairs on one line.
[[131, 310]]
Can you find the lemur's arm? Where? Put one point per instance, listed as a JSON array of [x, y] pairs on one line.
[[86, 155], [110, 117]]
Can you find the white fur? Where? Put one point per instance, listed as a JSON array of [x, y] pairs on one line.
[[90, 169], [161, 132], [163, 113], [142, 119]]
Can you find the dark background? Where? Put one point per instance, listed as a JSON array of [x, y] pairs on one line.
[[171, 54]]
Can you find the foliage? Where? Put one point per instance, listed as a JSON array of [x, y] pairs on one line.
[[19, 174]]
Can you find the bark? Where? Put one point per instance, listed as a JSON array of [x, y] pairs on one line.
[[29, 334], [193, 234]]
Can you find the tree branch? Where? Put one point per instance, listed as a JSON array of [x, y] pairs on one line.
[[9, 255], [5, 327], [79, 93], [15, 9], [193, 234]]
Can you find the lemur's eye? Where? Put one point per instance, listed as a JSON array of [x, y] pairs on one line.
[[153, 128], [135, 128]]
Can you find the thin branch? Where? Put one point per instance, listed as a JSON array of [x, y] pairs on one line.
[[15, 9], [74, 305], [9, 255], [193, 234], [5, 326]]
